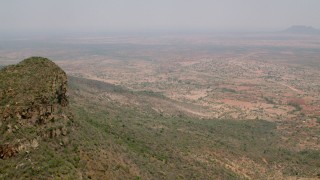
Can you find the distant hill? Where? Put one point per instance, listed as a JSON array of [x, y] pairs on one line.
[[299, 29]]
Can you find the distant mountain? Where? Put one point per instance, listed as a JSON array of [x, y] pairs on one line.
[[299, 29]]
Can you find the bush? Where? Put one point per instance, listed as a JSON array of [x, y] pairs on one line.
[[295, 105]]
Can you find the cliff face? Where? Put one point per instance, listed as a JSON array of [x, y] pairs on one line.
[[33, 105]]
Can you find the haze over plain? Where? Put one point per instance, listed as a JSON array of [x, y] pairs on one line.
[[35, 16]]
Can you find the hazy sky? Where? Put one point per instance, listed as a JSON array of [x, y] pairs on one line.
[[149, 15]]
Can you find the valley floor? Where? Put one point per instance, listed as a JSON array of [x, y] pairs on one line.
[[180, 107], [133, 140]]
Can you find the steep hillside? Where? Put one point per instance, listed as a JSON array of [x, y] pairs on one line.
[[124, 135], [34, 117]]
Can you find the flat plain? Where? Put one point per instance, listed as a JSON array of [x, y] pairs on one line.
[[245, 106]]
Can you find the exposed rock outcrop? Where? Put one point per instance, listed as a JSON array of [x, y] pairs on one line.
[[33, 105]]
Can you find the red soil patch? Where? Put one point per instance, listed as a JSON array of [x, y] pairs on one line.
[[296, 101]]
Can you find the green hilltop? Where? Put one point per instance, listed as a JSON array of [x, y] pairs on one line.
[[34, 117], [34, 80]]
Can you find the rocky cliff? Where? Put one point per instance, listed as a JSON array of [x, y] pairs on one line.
[[33, 105]]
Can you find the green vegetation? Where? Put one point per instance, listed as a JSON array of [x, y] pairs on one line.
[[228, 90], [149, 93], [34, 122], [295, 105], [269, 100], [30, 81], [178, 146]]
